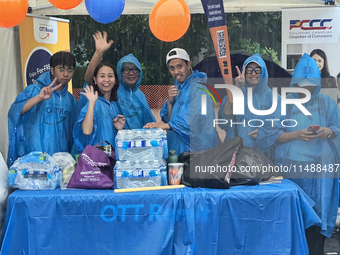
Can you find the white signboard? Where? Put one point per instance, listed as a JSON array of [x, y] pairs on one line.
[[306, 29], [45, 30], [311, 25]]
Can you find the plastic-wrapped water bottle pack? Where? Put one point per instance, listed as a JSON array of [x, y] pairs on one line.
[[140, 158], [141, 144], [34, 171], [139, 174]]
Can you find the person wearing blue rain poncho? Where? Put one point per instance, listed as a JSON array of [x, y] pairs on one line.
[[131, 101], [187, 128], [99, 119], [314, 157], [42, 116], [254, 75]]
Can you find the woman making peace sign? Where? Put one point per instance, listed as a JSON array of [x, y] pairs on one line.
[[254, 75]]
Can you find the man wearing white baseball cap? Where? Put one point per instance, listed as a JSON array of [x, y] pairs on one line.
[[187, 128]]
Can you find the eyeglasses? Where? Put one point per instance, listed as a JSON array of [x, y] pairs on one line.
[[257, 70], [127, 70], [62, 69]]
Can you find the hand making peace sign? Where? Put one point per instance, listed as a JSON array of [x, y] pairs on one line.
[[240, 80], [46, 92]]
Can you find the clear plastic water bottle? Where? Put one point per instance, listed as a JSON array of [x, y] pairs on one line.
[[120, 137], [136, 180], [157, 144], [157, 179], [127, 167], [139, 144], [138, 169], [123, 173], [129, 142], [148, 167], [139, 141], [127, 174], [165, 146], [163, 171], [151, 173], [118, 174], [124, 144], [148, 138]]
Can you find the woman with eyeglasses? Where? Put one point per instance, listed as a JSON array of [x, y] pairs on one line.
[[43, 115], [327, 81], [99, 119], [254, 75], [132, 102]]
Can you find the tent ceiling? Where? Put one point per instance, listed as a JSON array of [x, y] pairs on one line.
[[43, 7]]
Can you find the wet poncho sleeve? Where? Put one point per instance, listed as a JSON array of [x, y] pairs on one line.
[[103, 128], [47, 126]]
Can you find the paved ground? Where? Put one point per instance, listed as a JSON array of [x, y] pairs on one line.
[[332, 245]]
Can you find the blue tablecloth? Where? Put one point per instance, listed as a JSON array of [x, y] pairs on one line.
[[262, 219]]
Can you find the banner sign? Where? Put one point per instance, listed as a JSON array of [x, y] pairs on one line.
[[311, 25], [306, 29], [40, 38], [214, 12]]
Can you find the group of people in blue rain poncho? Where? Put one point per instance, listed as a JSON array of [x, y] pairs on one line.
[[290, 143], [46, 117]]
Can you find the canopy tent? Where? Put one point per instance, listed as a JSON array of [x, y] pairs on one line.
[[43, 7], [10, 69]]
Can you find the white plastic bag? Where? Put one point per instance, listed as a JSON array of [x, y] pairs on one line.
[[3, 191], [67, 165]]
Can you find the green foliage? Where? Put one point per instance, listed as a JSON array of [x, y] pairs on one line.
[[267, 51], [256, 32], [253, 47], [78, 76], [252, 32], [131, 34]]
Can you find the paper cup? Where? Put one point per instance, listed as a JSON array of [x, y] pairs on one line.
[[175, 173]]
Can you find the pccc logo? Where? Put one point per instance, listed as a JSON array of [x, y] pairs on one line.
[[310, 24]]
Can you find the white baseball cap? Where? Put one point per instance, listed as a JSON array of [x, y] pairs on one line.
[[177, 53]]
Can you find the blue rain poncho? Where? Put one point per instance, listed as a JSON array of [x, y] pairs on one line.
[[132, 102], [322, 183], [103, 129], [262, 100], [192, 130], [46, 127]]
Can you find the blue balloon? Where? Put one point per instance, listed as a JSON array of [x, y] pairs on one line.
[[105, 11]]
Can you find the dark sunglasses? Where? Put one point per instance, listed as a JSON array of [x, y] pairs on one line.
[[257, 70]]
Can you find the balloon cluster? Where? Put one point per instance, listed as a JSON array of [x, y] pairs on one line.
[[169, 19]]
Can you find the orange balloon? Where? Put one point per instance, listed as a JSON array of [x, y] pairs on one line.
[[12, 12], [65, 4], [169, 19]]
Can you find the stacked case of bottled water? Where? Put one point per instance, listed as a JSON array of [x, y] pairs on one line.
[[140, 157]]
